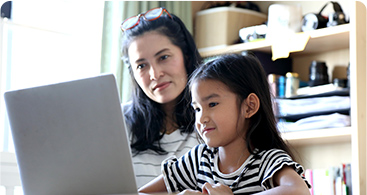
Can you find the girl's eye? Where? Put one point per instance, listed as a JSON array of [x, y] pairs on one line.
[[212, 104]]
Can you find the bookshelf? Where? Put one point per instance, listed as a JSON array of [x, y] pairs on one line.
[[321, 40], [337, 46]]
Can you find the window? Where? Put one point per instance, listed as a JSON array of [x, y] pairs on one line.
[[47, 42]]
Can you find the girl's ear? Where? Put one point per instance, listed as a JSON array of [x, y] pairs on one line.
[[250, 105]]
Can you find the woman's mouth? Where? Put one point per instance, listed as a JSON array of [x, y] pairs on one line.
[[161, 86]]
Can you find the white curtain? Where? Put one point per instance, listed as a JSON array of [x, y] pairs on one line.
[[114, 13]]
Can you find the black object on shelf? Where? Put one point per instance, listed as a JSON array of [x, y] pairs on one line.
[[338, 92], [295, 117], [318, 74], [279, 66]]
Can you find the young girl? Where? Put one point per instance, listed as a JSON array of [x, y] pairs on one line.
[[243, 151]]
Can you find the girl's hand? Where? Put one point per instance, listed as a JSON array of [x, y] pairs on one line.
[[216, 189], [189, 192]]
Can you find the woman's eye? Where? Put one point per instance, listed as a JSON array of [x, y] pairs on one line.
[[197, 109], [140, 66], [212, 104], [163, 57]]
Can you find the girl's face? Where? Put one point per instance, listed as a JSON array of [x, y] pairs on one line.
[[218, 118], [158, 67]]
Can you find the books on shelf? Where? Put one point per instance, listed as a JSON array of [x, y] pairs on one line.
[[335, 180], [317, 107], [288, 107], [334, 120]]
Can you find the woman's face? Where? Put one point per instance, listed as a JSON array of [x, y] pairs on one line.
[[158, 67]]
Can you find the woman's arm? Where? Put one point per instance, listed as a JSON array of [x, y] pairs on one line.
[[156, 185], [287, 181]]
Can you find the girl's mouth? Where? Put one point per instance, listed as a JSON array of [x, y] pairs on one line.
[[207, 130]]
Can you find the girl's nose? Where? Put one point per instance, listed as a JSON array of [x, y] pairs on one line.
[[203, 119]]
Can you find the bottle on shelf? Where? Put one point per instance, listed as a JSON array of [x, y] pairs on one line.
[[291, 84]]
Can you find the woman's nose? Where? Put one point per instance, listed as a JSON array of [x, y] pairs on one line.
[[155, 72]]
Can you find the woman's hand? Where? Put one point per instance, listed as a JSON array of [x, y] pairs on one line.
[[216, 189]]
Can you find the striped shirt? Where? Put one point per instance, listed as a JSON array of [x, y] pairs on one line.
[[147, 164], [200, 165]]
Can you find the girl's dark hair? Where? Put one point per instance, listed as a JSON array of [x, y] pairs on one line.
[[144, 116], [243, 74]]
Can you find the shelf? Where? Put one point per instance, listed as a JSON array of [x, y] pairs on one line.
[[318, 136], [313, 93], [295, 117], [263, 46], [321, 40], [328, 39]]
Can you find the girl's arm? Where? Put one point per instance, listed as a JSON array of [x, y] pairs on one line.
[[287, 181], [216, 189], [156, 185]]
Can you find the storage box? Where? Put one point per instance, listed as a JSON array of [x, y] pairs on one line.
[[219, 27]]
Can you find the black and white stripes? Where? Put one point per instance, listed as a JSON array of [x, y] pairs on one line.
[[200, 165], [147, 165]]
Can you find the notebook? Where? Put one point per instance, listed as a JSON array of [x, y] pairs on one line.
[[70, 138]]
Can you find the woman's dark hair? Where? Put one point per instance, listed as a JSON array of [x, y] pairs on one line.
[[243, 74], [144, 116]]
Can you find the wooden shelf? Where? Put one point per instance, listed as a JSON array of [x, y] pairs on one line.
[[321, 40], [262, 45], [328, 39], [318, 136]]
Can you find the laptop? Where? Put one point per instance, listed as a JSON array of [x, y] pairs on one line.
[[70, 138]]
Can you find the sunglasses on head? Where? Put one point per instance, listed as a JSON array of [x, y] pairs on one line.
[[150, 15]]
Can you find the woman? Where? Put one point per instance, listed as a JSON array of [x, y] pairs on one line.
[[160, 54]]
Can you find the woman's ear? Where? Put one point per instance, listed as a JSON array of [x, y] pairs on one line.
[[250, 105]]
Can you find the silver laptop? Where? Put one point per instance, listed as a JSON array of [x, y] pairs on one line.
[[70, 138]]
